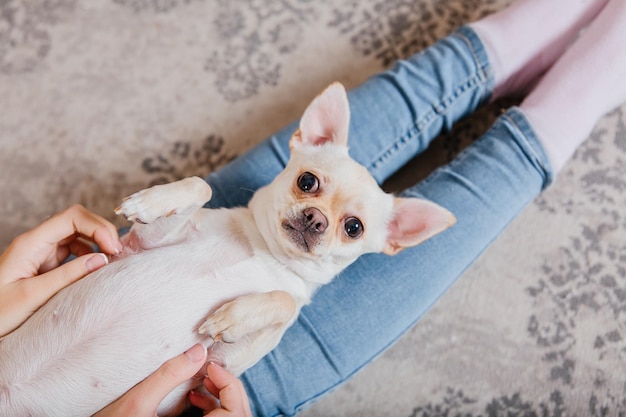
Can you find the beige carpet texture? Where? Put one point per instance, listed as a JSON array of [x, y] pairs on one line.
[[101, 98]]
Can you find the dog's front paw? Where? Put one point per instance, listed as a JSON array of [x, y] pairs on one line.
[[143, 207], [225, 324], [164, 200]]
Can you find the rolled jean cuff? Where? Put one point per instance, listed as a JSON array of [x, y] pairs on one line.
[[477, 48], [530, 143]]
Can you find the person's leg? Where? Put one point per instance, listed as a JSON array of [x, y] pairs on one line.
[[394, 116], [355, 318], [523, 40], [397, 113], [368, 307], [588, 81]]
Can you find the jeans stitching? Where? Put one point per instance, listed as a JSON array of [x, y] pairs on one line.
[[483, 67], [440, 108], [512, 117]]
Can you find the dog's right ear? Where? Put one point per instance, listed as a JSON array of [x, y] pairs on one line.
[[415, 220], [326, 120]]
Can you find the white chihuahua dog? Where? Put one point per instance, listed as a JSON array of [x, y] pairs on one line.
[[232, 279]]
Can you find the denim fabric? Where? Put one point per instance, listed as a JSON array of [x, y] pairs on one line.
[[395, 115]]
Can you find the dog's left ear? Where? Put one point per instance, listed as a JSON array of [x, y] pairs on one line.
[[326, 120], [415, 220]]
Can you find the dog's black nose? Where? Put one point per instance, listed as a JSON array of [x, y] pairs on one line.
[[314, 219]]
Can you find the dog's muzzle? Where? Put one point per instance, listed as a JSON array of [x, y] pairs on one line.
[[305, 229]]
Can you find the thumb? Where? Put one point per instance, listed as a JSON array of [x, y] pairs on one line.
[[230, 391], [144, 398], [171, 374], [48, 284]]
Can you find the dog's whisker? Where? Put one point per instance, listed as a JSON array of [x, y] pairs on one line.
[[247, 189], [269, 177]]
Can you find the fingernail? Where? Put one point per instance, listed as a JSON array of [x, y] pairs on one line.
[[196, 353], [96, 262], [118, 247]]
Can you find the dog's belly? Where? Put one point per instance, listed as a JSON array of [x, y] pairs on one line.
[[99, 337]]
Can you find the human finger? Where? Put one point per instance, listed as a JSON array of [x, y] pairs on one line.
[[232, 395], [76, 220], [76, 247], [37, 250], [21, 298], [44, 286], [170, 375], [210, 385], [205, 402], [144, 398]]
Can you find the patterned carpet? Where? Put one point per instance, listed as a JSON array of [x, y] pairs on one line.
[[101, 98]]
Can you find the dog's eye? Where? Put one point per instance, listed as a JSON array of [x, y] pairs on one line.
[[353, 227], [308, 183]]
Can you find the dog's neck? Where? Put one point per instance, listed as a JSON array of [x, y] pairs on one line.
[[314, 273]]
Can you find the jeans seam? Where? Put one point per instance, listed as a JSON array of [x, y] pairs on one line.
[[483, 66], [537, 155], [439, 108]]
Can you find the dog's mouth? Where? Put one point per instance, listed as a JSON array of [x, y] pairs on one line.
[[296, 236], [306, 228]]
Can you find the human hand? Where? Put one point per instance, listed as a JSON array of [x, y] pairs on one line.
[[144, 398], [31, 270], [229, 396]]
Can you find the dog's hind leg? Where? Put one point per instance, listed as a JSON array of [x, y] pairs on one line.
[[161, 213], [247, 328]]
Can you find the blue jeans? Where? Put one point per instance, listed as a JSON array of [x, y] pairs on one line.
[[395, 115]]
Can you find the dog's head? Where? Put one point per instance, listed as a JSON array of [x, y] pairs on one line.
[[324, 210]]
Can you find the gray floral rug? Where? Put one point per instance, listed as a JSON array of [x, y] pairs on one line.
[[100, 98]]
